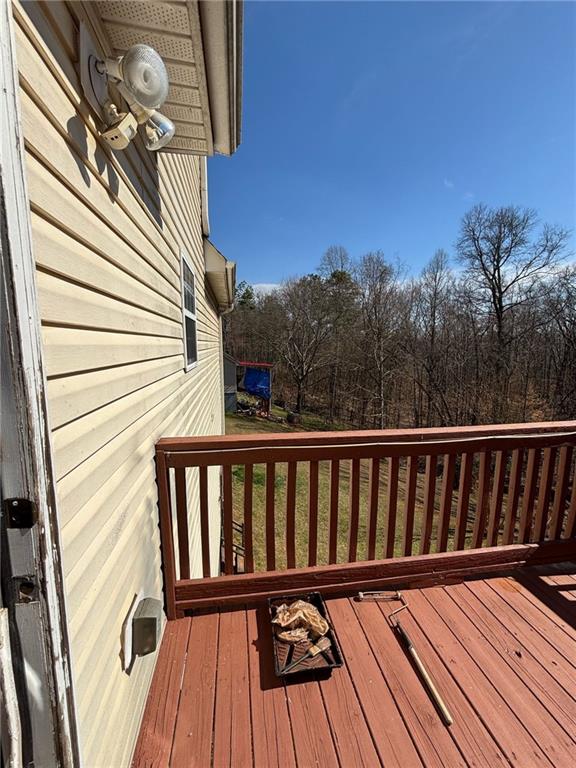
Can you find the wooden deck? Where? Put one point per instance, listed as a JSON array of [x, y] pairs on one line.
[[501, 649]]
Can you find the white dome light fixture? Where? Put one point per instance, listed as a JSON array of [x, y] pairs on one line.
[[159, 131], [140, 75], [141, 78]]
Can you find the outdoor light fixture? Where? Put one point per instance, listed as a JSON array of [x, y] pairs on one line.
[[159, 130], [141, 78]]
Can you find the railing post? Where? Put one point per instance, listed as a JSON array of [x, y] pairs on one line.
[[373, 508], [561, 491], [291, 515], [392, 506], [529, 495], [463, 500], [541, 522], [204, 520], [354, 509], [429, 496], [497, 496], [166, 534], [270, 516], [482, 502], [248, 534], [445, 502], [312, 512], [228, 522], [334, 501], [570, 529], [410, 501], [182, 518], [513, 496]]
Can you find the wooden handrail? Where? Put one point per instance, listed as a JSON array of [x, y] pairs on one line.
[[226, 442], [262, 454], [405, 492]]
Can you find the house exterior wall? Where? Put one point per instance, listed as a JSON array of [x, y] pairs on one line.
[[108, 231]]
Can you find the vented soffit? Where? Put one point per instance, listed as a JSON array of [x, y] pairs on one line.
[[201, 44]]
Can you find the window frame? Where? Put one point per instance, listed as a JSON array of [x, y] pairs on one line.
[[185, 260]]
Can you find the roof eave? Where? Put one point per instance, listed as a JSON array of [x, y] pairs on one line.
[[221, 277], [222, 31]]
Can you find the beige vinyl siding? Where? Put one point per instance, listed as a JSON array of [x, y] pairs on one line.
[[108, 232]]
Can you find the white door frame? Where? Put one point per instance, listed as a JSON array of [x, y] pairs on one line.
[[26, 459]]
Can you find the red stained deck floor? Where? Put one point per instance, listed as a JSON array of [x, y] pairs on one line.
[[502, 651]]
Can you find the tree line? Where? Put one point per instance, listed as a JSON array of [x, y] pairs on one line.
[[485, 337]]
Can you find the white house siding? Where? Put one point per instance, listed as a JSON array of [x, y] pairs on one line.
[[107, 232]]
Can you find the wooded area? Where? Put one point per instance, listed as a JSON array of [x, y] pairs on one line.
[[485, 338]]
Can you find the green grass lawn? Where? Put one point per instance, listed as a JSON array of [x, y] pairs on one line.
[[249, 425]]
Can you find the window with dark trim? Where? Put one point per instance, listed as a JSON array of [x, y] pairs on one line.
[[189, 313]]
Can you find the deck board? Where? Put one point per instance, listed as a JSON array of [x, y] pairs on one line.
[[313, 742], [192, 746], [501, 650], [272, 742], [352, 738], [160, 716], [232, 728]]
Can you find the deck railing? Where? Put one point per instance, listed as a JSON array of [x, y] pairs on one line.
[[322, 499]]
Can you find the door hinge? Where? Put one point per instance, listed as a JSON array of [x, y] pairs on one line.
[[20, 513]]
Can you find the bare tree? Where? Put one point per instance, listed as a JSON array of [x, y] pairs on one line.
[[303, 346], [335, 259], [431, 296], [560, 308], [381, 318], [506, 261]]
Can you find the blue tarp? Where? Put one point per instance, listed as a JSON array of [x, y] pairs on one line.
[[257, 382]]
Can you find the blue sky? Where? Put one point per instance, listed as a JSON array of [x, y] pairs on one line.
[[376, 125]]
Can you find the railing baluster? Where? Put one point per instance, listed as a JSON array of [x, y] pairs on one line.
[[291, 515], [204, 520], [546, 477], [529, 494], [497, 496], [228, 527], [429, 498], [373, 507], [445, 502], [270, 516], [561, 491], [182, 518], [392, 506], [354, 509], [409, 503], [570, 529], [248, 533], [513, 496], [482, 502], [464, 487], [312, 512], [334, 491], [166, 534]]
